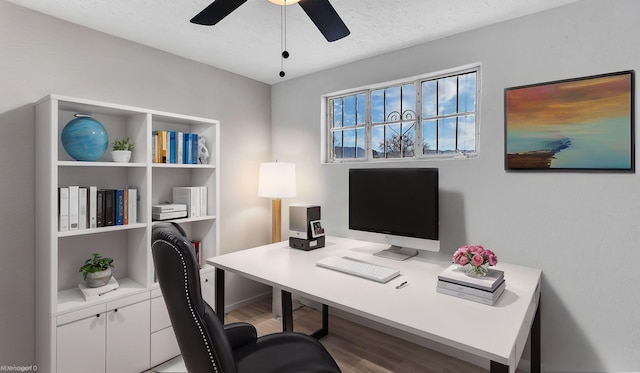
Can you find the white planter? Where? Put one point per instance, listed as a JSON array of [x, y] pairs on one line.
[[97, 279], [121, 156]]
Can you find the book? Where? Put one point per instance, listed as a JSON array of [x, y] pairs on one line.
[[194, 148], [119, 207], [168, 215], [489, 301], [172, 147], [63, 209], [166, 207], [179, 147], [95, 293], [109, 207], [133, 205], [471, 291], [73, 207], [203, 200], [82, 208], [125, 208], [454, 274], [187, 148], [93, 207], [190, 197], [197, 247], [100, 208]]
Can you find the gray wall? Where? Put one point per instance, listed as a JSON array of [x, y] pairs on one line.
[[42, 55], [581, 229]]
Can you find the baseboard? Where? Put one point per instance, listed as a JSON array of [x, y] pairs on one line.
[[246, 302]]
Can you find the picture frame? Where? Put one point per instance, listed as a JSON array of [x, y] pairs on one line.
[[577, 124]]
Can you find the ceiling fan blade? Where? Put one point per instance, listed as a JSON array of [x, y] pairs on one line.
[[216, 11], [325, 18]]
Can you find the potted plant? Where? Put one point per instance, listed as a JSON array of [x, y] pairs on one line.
[[121, 150], [96, 271]]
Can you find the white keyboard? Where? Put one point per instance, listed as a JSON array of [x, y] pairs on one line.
[[358, 268]]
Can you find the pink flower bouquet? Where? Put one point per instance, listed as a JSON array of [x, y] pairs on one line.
[[476, 258]]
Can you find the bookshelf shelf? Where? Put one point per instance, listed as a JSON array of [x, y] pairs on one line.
[[82, 232], [59, 254]]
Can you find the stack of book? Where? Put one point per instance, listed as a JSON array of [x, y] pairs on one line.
[[168, 211], [89, 207], [487, 289], [195, 198], [175, 147]]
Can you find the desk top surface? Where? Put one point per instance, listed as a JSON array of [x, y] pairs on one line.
[[496, 332]]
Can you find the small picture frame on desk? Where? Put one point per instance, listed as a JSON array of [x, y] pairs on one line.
[[316, 228]]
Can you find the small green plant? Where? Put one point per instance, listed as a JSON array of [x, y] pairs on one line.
[[124, 144], [95, 264]]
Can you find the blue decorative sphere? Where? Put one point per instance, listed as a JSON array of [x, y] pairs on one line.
[[84, 138]]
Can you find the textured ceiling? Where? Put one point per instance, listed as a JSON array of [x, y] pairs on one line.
[[248, 42]]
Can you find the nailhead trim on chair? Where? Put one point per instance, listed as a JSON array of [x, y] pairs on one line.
[[190, 303]]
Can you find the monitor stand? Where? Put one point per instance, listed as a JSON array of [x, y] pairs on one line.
[[397, 253]]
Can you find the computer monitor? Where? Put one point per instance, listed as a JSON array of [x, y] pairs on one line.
[[398, 206]]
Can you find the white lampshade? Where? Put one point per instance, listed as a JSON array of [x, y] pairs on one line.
[[277, 180]]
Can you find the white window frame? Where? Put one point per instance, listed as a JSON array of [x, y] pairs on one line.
[[327, 147]]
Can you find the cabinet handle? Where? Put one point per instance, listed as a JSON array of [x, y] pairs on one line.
[[206, 280], [97, 315], [116, 310]]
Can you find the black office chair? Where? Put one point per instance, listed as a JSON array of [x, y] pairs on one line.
[[208, 346]]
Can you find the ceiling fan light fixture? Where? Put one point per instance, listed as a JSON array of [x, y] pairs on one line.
[[284, 2]]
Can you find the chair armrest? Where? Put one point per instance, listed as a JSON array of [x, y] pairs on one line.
[[240, 333]]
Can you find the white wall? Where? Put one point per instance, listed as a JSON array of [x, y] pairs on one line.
[[41, 55], [581, 229]]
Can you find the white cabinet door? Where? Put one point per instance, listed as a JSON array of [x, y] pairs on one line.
[[81, 345], [128, 344], [208, 287]]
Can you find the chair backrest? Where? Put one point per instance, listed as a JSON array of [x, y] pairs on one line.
[[201, 337]]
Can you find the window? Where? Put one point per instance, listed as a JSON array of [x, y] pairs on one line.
[[433, 116]]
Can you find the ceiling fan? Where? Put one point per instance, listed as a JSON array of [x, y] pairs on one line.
[[321, 12]]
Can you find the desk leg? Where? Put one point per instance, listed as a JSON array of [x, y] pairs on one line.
[[325, 324], [287, 317], [498, 368], [287, 312], [536, 337], [219, 299]]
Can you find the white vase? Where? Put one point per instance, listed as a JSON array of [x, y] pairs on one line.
[[121, 156]]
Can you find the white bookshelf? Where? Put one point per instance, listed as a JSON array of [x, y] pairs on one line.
[[59, 255]]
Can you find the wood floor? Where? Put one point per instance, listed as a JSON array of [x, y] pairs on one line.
[[357, 349]]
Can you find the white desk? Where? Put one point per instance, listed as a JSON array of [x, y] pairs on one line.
[[497, 333]]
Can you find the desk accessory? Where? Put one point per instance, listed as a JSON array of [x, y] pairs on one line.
[[305, 228], [277, 180], [485, 289]]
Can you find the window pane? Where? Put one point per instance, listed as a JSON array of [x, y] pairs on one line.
[[337, 113], [429, 137], [337, 144], [377, 106], [349, 110], [354, 146], [409, 101], [408, 139], [393, 141], [447, 135], [392, 104], [377, 141], [362, 109], [467, 93], [467, 133], [447, 95], [429, 99]]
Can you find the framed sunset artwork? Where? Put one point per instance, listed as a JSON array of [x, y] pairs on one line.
[[575, 124]]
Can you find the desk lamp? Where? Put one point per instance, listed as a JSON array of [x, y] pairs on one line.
[[277, 180]]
